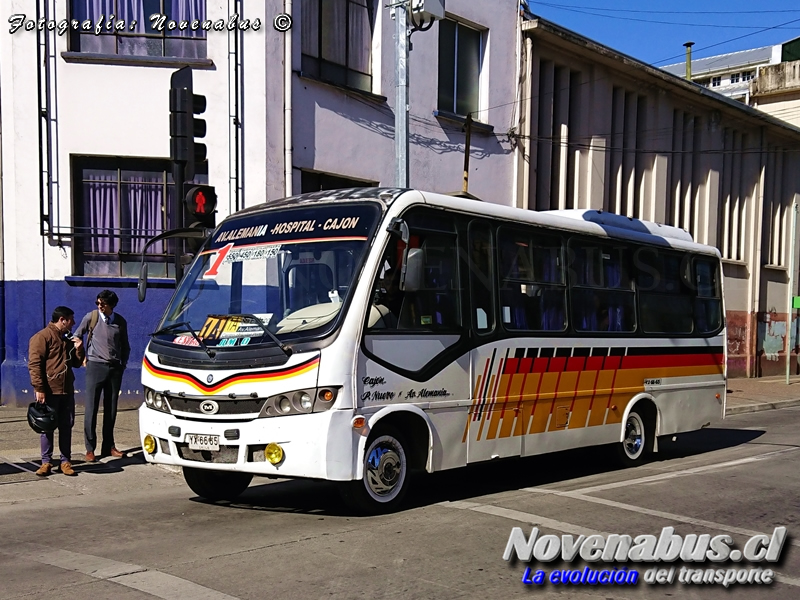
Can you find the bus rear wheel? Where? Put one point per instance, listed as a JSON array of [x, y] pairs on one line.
[[637, 441], [216, 485], [386, 475]]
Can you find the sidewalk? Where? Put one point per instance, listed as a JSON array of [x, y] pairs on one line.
[[16, 438], [765, 393]]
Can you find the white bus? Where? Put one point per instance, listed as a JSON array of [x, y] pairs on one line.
[[357, 335]]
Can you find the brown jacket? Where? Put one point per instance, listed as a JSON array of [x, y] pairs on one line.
[[51, 358]]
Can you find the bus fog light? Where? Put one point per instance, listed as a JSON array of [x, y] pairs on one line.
[[149, 444], [273, 453]]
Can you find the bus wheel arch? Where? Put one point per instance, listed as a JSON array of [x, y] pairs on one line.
[[413, 424], [388, 452], [637, 438]]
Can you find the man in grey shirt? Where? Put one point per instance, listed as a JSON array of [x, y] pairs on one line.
[[107, 352]]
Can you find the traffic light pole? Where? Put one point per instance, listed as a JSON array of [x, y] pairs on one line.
[[178, 172]]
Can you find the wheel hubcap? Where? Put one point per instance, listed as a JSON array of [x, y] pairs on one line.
[[633, 437], [384, 470]]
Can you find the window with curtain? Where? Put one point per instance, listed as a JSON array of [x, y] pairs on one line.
[[337, 41], [460, 57], [602, 295], [533, 291], [119, 204], [139, 37]]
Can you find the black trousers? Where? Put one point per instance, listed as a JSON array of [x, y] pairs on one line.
[[101, 379]]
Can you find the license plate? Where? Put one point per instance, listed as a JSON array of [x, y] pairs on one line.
[[198, 441]]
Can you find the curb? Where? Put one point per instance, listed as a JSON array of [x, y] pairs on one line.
[[751, 408]]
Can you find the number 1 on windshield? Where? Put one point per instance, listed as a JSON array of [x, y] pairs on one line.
[[218, 258]]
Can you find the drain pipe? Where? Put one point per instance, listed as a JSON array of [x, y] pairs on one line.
[[688, 46], [287, 102]]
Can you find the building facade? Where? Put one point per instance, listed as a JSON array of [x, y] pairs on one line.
[[85, 140], [767, 78], [601, 130]]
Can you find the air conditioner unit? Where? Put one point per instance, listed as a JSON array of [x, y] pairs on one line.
[[427, 10]]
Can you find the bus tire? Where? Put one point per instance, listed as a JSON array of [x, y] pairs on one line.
[[637, 441], [216, 485], [386, 475]]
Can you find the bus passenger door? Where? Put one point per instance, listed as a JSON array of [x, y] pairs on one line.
[[491, 428], [415, 346]]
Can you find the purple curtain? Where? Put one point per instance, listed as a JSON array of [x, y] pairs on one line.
[[92, 9], [187, 10], [100, 199], [142, 203]]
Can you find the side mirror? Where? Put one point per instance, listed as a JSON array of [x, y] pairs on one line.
[[142, 286], [413, 270]]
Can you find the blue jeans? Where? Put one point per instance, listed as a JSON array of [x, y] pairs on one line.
[[64, 404]]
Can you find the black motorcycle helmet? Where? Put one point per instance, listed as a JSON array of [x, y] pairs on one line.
[[42, 418]]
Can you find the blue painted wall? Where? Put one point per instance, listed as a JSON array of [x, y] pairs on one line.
[[25, 308]]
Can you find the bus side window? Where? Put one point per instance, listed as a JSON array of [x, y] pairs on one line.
[[602, 294], [481, 277], [434, 307], [532, 290], [708, 303], [665, 300]]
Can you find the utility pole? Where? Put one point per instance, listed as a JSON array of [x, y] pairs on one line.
[[468, 127], [401, 99], [426, 11]]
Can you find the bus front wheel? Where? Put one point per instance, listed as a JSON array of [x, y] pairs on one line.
[[216, 485], [637, 441], [386, 475]]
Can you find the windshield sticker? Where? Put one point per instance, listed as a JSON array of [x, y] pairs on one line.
[[218, 327], [251, 253], [294, 226], [243, 232], [233, 341], [185, 340]]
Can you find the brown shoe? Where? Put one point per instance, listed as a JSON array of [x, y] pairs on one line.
[[44, 470], [116, 453], [66, 469], [90, 457]]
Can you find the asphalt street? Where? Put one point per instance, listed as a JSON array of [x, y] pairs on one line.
[[125, 529]]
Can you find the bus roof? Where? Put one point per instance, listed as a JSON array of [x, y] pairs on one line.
[[593, 222]]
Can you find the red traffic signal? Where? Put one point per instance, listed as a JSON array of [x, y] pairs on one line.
[[200, 203], [201, 200]]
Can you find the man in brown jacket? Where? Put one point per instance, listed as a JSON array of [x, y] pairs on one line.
[[52, 354]]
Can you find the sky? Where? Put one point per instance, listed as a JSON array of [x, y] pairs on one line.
[[654, 32]]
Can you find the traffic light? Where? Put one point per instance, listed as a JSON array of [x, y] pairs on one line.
[[200, 204], [184, 104]]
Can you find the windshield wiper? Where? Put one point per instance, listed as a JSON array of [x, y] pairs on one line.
[[287, 350], [187, 329]]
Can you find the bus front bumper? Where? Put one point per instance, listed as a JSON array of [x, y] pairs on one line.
[[318, 445]]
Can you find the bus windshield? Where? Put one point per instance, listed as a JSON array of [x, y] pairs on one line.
[[285, 273]]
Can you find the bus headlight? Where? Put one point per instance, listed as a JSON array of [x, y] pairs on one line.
[[304, 400], [156, 400], [299, 402]]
